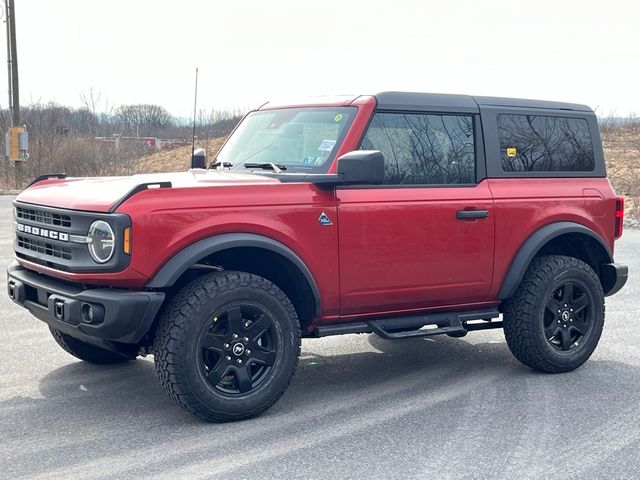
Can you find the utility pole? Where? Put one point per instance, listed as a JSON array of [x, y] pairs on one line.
[[6, 8], [14, 89], [16, 137]]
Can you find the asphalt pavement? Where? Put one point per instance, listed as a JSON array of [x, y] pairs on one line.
[[359, 407]]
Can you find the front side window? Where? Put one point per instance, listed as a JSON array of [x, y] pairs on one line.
[[536, 143], [302, 140], [423, 149]]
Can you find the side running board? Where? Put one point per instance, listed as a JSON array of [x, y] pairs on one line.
[[419, 325]]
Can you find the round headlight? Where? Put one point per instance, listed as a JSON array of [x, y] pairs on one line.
[[101, 241]]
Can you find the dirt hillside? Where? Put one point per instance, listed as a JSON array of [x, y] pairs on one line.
[[178, 159]]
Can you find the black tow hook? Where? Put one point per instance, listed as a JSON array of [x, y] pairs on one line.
[[58, 309], [16, 291]]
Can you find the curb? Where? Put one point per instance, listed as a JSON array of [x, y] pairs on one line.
[[10, 192]]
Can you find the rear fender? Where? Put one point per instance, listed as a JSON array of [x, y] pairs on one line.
[[534, 244]]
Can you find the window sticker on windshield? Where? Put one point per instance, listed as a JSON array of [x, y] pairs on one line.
[[326, 145], [319, 160], [337, 118]]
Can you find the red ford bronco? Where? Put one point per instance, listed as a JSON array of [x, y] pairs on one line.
[[400, 214]]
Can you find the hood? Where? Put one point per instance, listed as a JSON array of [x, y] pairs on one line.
[[100, 194]]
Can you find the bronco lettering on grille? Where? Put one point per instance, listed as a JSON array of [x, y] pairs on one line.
[[43, 232]]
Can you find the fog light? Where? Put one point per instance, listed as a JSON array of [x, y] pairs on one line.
[[87, 313], [92, 313]]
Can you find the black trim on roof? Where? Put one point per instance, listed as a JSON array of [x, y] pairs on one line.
[[426, 101], [462, 103], [524, 103]]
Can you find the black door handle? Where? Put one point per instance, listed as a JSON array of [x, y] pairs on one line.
[[467, 214]]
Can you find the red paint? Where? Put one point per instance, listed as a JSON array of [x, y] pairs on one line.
[[403, 248], [523, 206]]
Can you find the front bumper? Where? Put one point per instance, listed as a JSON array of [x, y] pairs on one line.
[[614, 276], [96, 315]]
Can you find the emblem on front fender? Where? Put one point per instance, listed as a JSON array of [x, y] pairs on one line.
[[324, 219]]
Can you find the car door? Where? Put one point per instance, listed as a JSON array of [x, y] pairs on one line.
[[424, 238]]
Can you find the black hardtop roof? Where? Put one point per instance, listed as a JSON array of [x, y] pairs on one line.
[[463, 103]]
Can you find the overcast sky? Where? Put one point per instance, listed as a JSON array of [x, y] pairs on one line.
[[135, 51]]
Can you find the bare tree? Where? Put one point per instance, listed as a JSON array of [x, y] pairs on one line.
[[144, 119]]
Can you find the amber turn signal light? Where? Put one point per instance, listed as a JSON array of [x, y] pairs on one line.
[[126, 244]]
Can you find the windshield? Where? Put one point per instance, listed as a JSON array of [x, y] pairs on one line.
[[294, 139]]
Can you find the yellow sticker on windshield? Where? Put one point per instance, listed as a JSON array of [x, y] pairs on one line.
[[337, 118], [511, 151]]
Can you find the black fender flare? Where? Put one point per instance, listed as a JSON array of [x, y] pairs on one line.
[[532, 246], [184, 259]]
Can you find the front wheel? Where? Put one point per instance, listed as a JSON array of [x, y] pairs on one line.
[[86, 351], [554, 321], [227, 346]]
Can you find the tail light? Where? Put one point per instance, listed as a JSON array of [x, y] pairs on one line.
[[619, 216]]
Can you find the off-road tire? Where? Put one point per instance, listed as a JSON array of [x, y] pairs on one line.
[[524, 313], [177, 348], [86, 351]]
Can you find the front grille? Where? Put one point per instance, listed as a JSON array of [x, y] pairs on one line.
[[45, 235], [43, 217], [44, 247]]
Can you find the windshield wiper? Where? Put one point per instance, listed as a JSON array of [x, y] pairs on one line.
[[266, 166], [218, 165]]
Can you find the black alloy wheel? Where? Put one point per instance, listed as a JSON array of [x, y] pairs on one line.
[[568, 316], [238, 348]]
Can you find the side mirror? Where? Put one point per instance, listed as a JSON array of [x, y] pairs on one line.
[[199, 158], [361, 167]]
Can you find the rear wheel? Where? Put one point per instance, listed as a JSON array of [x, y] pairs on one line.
[[554, 321], [227, 346], [86, 351]]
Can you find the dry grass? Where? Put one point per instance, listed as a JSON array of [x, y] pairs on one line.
[[178, 159], [622, 155]]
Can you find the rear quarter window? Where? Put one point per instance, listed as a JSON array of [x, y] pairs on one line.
[[538, 143]]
